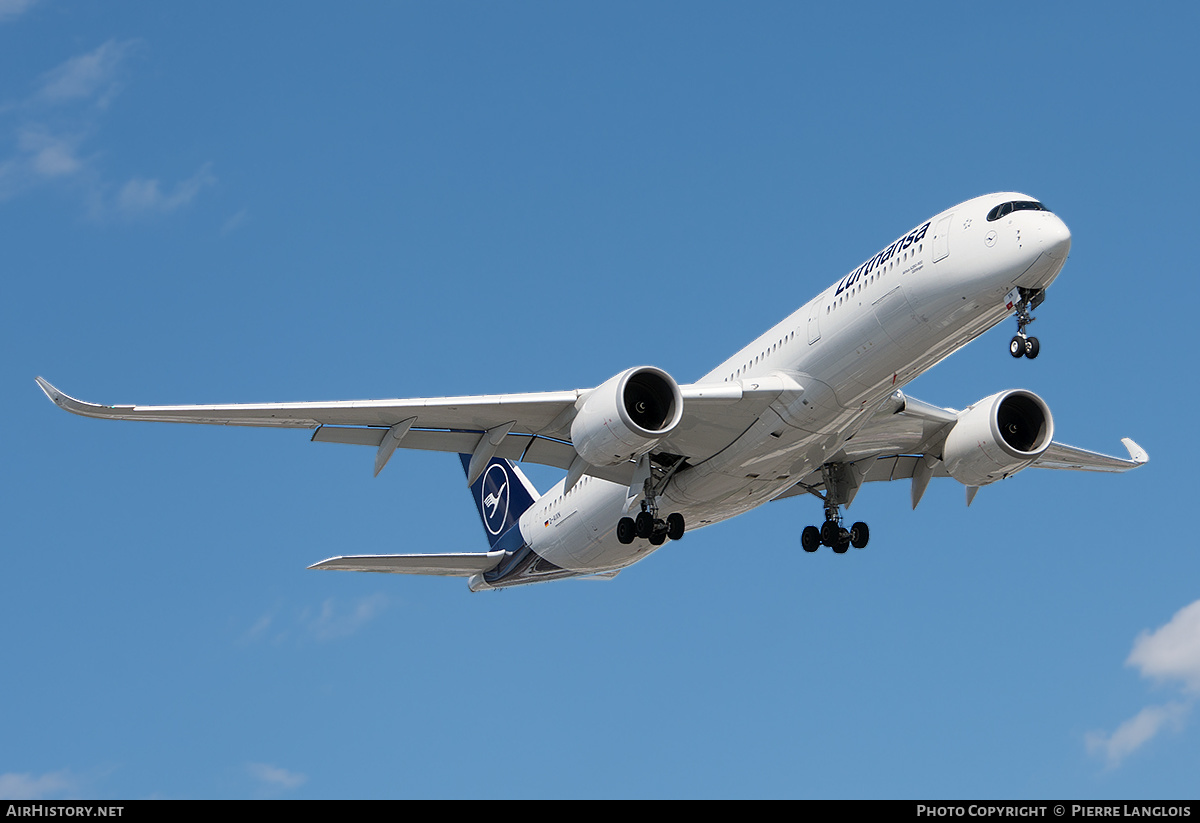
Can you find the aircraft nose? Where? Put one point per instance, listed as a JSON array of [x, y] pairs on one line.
[[1056, 238]]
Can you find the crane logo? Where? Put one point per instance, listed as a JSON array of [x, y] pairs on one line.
[[493, 498]]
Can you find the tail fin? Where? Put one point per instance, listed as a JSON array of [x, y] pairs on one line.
[[502, 494]]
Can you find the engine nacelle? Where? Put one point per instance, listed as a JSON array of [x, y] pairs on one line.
[[997, 437], [626, 416]]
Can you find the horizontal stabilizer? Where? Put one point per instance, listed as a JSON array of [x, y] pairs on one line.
[[462, 564]]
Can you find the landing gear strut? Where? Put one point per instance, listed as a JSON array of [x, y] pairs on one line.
[[1027, 300], [832, 533], [648, 525]]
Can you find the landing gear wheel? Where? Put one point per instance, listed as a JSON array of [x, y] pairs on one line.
[[675, 526], [626, 530], [644, 524], [1016, 346], [658, 538], [859, 534], [810, 538], [843, 542], [1031, 347], [829, 533]]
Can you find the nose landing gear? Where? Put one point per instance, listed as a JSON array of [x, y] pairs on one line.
[[1025, 301]]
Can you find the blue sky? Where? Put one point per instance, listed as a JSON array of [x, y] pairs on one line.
[[230, 202]]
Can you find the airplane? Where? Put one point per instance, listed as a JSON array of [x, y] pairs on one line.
[[814, 406]]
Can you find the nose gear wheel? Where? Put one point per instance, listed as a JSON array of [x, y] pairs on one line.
[[1022, 345]]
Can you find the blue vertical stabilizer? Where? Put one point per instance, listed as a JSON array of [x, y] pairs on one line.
[[502, 494]]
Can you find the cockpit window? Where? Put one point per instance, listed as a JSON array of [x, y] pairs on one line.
[[1005, 209]]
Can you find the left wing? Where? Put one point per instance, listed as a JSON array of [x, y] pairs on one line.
[[903, 440]]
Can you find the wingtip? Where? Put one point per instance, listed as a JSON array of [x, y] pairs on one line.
[[1136, 453], [68, 403], [56, 397]]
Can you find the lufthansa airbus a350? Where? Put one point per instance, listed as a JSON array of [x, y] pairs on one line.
[[813, 406]]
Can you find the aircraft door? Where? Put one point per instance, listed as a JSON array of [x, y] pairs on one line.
[[941, 239], [814, 322]]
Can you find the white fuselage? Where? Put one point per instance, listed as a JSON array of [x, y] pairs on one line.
[[834, 360]]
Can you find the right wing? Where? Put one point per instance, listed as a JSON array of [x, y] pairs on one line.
[[903, 439], [1062, 456], [533, 427]]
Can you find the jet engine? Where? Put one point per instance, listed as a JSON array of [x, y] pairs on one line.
[[997, 437], [626, 416]]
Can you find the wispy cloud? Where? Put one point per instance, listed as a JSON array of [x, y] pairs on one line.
[[47, 154], [91, 77], [52, 123], [259, 630], [329, 621], [1134, 732], [26, 786], [1169, 655], [65, 110], [332, 621], [274, 778], [12, 9], [235, 222], [141, 196]]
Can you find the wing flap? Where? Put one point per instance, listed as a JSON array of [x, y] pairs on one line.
[[524, 448]]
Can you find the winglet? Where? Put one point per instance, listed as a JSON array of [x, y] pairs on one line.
[[56, 397], [1136, 453], [68, 403]]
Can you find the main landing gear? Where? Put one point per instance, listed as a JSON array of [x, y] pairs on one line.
[[1022, 345], [648, 525], [832, 533]]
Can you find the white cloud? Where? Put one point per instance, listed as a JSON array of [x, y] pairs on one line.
[[275, 777], [10, 9], [1172, 652], [27, 786], [142, 196], [1169, 653]]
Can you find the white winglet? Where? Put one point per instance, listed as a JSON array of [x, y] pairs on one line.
[[1136, 453]]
